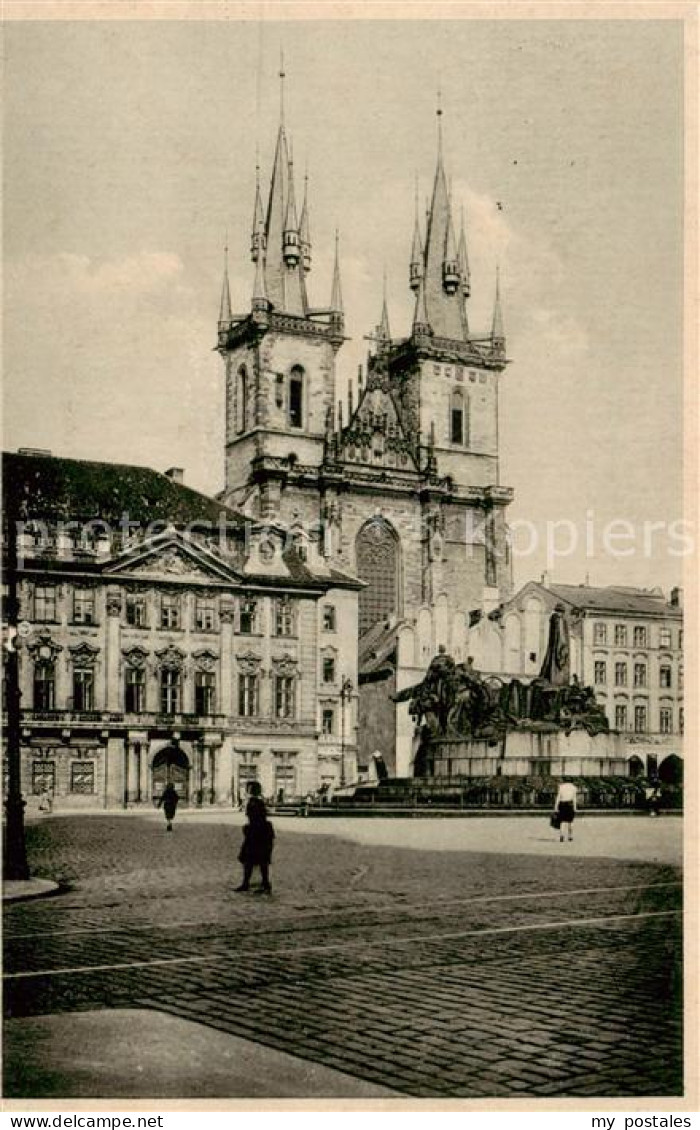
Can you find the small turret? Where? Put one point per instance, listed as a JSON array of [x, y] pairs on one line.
[[291, 249], [421, 324], [450, 266], [304, 233], [225, 314], [257, 238], [464, 260], [260, 302], [416, 266], [498, 335]]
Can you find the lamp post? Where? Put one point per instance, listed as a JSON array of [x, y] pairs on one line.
[[15, 852], [346, 690]]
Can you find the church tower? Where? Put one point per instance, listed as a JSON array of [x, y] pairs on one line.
[[279, 358]]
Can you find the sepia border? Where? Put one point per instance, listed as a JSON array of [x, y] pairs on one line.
[[298, 10]]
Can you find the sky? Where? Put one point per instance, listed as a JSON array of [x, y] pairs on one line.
[[130, 151]]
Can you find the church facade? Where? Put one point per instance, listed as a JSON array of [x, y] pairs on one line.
[[400, 485]]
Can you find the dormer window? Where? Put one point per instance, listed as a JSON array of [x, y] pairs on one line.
[[296, 397]]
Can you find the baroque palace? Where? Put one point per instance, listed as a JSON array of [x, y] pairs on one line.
[[262, 635]]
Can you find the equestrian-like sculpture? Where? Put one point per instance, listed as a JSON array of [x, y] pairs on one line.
[[454, 700]]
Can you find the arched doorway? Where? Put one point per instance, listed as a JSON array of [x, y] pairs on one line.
[[171, 765], [378, 564], [671, 770], [635, 767]]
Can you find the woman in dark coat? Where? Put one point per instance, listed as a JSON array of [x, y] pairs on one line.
[[258, 837], [168, 802]]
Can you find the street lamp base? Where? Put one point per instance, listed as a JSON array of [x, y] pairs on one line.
[[14, 861]]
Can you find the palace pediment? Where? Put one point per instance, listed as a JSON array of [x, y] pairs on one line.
[[174, 559]]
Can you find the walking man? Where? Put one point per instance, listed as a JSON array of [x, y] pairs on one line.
[[565, 807]]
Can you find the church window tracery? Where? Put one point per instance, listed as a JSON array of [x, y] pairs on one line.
[[378, 565]]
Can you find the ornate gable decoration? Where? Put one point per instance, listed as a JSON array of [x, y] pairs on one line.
[[84, 655], [172, 560], [171, 657], [43, 647], [205, 659], [285, 665], [135, 656], [374, 436], [249, 663]]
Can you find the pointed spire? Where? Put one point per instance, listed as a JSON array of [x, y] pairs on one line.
[[260, 297], [290, 238], [336, 292], [304, 229], [258, 230], [498, 336], [439, 124], [463, 258], [421, 325], [282, 78], [225, 307], [416, 266], [383, 334], [450, 266], [441, 277], [351, 400]]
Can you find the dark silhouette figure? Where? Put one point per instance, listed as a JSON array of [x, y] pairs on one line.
[[258, 839], [168, 802]]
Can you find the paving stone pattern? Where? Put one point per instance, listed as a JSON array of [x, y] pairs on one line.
[[426, 973]]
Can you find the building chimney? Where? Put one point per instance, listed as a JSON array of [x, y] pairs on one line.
[[544, 580], [677, 597], [175, 474]]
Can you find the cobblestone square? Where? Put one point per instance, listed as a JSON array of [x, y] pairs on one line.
[[518, 970]]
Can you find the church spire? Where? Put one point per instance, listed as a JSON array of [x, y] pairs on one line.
[[463, 258], [260, 295], [336, 292], [257, 238], [421, 323], [441, 299], [416, 266], [498, 336], [225, 314], [304, 230], [290, 239], [383, 333]]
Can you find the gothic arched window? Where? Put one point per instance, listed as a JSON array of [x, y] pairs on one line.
[[378, 564], [296, 397], [242, 400]]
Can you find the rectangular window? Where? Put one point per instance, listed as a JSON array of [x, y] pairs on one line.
[[640, 637], [680, 678], [204, 615], [43, 777], [640, 674], [329, 670], [665, 637], [620, 635], [45, 603], [84, 606], [83, 690], [284, 617], [248, 619], [170, 686], [640, 719], [621, 717], [284, 696], [665, 676], [600, 633], [620, 674], [285, 780], [169, 611], [248, 695], [680, 640], [328, 721], [600, 673], [329, 617], [44, 686], [457, 429], [680, 720], [204, 687], [135, 690], [296, 396], [136, 611], [82, 777], [665, 720]]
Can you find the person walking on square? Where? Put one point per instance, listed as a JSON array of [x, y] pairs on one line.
[[565, 807], [168, 802], [258, 838]]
